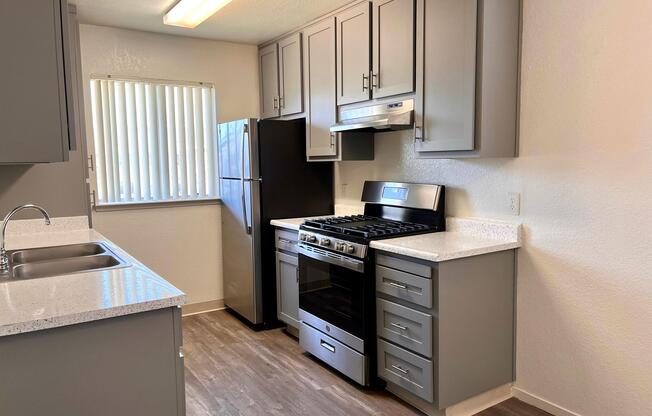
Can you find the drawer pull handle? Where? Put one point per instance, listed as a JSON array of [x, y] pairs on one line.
[[400, 369], [288, 242], [401, 327], [328, 346], [398, 285]]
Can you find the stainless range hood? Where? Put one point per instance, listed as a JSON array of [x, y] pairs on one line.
[[396, 115]]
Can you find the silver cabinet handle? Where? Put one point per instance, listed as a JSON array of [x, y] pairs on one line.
[[365, 82], [401, 327], [288, 242], [398, 285], [332, 139], [327, 346], [400, 369], [281, 102], [418, 134], [275, 103], [297, 273], [375, 80]]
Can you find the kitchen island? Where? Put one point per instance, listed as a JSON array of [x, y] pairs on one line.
[[101, 342]]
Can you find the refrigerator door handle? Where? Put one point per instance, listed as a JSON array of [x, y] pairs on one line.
[[242, 183]]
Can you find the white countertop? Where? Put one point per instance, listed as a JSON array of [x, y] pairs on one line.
[[293, 223], [465, 237], [49, 302]]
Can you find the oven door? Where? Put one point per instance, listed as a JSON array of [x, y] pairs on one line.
[[332, 288]]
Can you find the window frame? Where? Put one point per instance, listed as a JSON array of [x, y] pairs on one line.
[[145, 204]]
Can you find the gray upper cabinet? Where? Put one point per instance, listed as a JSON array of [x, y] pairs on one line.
[[269, 82], [448, 102], [320, 81], [290, 75], [35, 113], [393, 47], [467, 78], [353, 54]]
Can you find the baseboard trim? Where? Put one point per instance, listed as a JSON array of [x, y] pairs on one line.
[[202, 307], [541, 403], [481, 402]]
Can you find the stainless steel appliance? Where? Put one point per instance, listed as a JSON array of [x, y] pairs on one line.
[[263, 175], [395, 115], [337, 271]]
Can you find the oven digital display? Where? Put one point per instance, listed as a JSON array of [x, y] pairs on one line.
[[396, 193]]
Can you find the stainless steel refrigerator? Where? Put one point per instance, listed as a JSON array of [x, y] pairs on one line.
[[263, 175]]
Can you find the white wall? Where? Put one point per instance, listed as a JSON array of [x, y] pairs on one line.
[[183, 244], [584, 339]]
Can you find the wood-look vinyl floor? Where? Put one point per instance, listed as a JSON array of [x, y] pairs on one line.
[[233, 371]]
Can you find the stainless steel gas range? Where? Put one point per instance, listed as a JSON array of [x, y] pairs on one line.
[[337, 272]]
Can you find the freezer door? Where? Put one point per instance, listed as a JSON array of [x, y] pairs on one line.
[[241, 247], [238, 149]]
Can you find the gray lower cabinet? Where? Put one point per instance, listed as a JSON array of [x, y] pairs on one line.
[[129, 365], [287, 277], [445, 330], [467, 78], [36, 80]]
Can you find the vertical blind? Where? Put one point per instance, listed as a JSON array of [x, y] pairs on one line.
[[154, 141]]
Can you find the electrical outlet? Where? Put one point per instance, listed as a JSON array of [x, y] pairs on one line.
[[514, 203]]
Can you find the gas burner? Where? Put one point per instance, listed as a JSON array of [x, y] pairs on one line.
[[366, 226]]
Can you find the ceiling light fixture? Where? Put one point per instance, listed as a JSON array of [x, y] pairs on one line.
[[190, 13]]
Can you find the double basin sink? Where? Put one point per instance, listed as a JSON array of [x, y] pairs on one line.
[[59, 260]]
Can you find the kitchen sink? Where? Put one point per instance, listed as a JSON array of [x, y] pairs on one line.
[[58, 252], [59, 260]]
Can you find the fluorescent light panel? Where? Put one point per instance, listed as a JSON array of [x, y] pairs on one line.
[[190, 13]]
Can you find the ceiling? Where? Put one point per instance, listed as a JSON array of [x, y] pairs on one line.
[[245, 21]]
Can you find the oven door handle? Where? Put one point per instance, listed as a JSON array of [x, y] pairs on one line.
[[332, 258]]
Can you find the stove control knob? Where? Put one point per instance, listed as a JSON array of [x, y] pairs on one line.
[[311, 239], [302, 237], [340, 246], [350, 249], [325, 242]]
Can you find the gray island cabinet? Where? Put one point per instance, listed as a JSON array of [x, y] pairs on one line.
[[445, 330], [125, 365]]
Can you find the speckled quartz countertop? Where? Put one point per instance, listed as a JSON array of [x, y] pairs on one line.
[[49, 302], [464, 237], [293, 223]]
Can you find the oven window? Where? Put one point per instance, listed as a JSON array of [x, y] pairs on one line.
[[332, 293]]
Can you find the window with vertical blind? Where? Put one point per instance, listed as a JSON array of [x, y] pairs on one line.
[[154, 141]]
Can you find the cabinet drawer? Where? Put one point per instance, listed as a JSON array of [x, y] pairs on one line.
[[404, 265], [405, 369], [404, 326], [404, 286], [287, 241], [342, 358]]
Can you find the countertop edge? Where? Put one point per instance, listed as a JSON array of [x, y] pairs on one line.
[[285, 225], [89, 316], [436, 257]]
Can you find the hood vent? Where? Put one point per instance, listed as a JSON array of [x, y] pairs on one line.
[[398, 115]]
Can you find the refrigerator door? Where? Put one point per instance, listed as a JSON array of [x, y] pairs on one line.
[[240, 191], [238, 149], [241, 251]]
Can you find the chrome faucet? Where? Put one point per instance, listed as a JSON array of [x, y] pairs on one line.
[[4, 259]]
